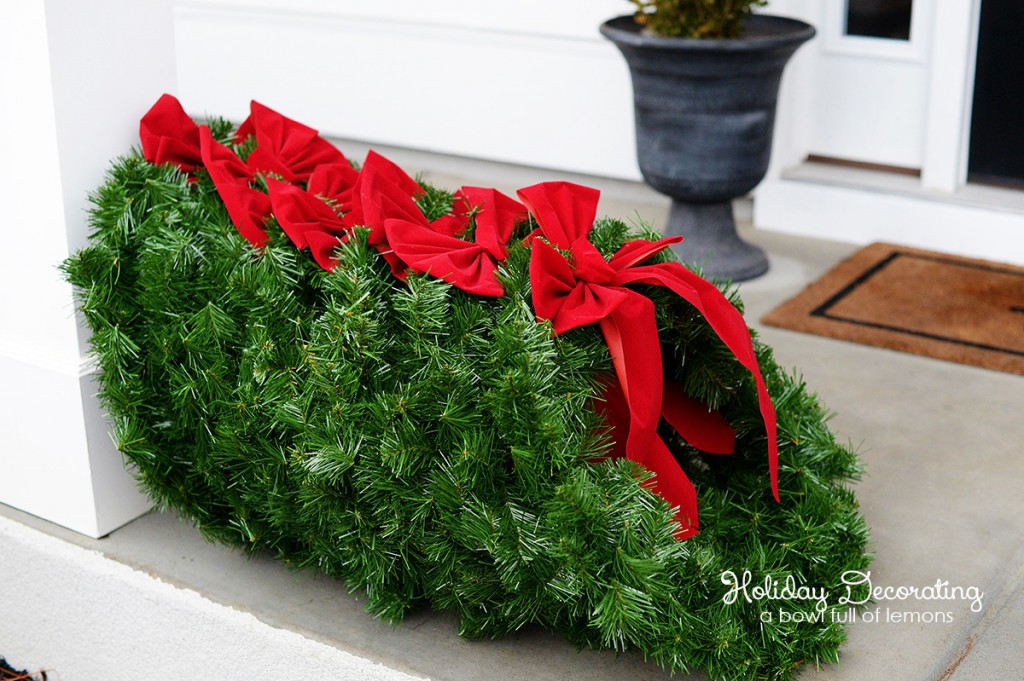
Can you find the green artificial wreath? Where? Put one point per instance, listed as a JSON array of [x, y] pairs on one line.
[[431, 446]]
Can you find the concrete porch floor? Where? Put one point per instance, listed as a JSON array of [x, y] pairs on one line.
[[941, 443]]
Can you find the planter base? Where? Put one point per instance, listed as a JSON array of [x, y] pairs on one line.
[[710, 241]]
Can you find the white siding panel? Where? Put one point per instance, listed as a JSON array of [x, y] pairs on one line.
[[557, 101]]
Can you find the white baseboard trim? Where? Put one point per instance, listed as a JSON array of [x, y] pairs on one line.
[[58, 461]]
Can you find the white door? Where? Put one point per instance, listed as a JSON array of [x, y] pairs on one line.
[[871, 80]]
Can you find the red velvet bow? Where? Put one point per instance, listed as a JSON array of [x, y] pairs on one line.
[[594, 290], [308, 221], [168, 135], [385, 192], [335, 182], [248, 207], [285, 147], [468, 265]]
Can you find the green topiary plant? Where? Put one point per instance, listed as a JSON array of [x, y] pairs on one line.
[[695, 18]]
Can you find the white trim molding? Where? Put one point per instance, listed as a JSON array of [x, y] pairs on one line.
[[948, 125]]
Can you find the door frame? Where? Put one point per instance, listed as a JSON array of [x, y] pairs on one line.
[[938, 210], [949, 48], [872, 101], [951, 92]]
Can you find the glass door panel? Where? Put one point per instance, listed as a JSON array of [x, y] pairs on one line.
[[888, 19], [997, 126]]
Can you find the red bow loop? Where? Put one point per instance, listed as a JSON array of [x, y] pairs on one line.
[[322, 245], [495, 214], [383, 192], [299, 213], [635, 252], [169, 135], [247, 207], [285, 147], [564, 211], [386, 191], [450, 225], [470, 266], [461, 263], [334, 181]]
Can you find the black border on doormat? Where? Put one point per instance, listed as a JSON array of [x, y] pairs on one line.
[[823, 310]]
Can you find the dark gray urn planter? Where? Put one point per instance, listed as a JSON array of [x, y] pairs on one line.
[[705, 114]]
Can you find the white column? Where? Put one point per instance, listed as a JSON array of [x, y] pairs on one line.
[[74, 79]]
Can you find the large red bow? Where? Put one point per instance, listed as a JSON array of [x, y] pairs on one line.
[[591, 289], [248, 207], [168, 135], [284, 147], [468, 265]]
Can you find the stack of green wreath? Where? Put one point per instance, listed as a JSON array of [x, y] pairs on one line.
[[433, 434]]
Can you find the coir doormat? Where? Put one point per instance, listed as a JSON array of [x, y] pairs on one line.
[[926, 303]]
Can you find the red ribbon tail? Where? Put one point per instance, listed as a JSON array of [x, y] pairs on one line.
[[463, 264], [632, 336], [322, 245], [730, 326], [631, 332], [671, 484]]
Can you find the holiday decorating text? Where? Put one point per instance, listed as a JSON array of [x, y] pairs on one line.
[[857, 590]]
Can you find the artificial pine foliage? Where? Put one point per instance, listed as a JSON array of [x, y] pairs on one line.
[[431, 446]]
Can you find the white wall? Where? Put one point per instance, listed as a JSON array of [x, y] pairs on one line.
[[529, 82]]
